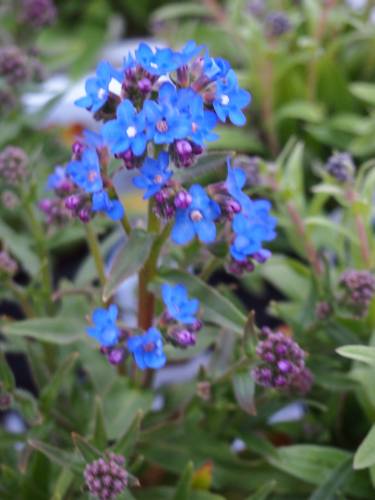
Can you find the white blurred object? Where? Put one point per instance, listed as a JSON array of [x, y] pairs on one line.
[[290, 413], [237, 446], [356, 4]]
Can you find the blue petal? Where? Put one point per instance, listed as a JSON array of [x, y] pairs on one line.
[[183, 229], [206, 230]]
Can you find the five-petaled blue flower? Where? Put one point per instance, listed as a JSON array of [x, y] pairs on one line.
[[197, 219], [165, 121], [97, 88], [147, 349], [154, 174], [85, 172], [234, 183], [105, 330], [230, 100], [126, 131], [251, 229], [101, 202], [178, 304], [158, 62], [215, 67], [201, 121]]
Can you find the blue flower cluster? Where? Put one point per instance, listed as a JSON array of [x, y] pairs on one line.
[[105, 330], [179, 306]]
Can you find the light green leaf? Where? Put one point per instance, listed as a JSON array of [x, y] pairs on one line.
[[292, 176], [89, 453], [99, 438], [301, 110], [364, 91], [178, 10], [329, 488], [207, 165], [128, 261], [183, 490], [121, 404], [322, 222], [363, 353], [244, 391], [365, 455], [19, 245], [51, 391], [125, 445], [216, 308], [59, 331]]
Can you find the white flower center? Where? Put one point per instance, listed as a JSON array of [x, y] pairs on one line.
[[101, 93], [154, 65], [131, 131], [196, 215], [115, 86], [158, 179], [224, 99]]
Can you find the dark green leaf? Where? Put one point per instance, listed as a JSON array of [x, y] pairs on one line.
[[89, 453], [263, 492], [58, 455], [365, 455], [183, 490], [125, 445], [7, 380], [329, 489], [244, 390], [99, 438]]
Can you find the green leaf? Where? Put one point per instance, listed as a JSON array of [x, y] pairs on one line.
[[61, 331], [363, 353], [51, 391], [292, 177], [99, 438], [236, 139], [58, 456], [328, 489], [216, 308], [365, 455], [183, 490], [331, 227], [125, 445], [7, 380], [28, 406], [128, 261], [19, 245], [244, 391], [208, 164], [263, 492], [364, 91], [121, 405], [89, 453], [301, 110], [177, 10], [62, 484]]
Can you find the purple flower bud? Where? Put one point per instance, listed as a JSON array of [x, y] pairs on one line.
[[182, 199], [13, 65], [72, 202], [84, 215], [106, 478], [77, 149], [116, 356], [341, 167], [196, 326], [8, 265], [359, 289], [144, 85], [183, 338], [38, 13], [184, 155], [13, 165]]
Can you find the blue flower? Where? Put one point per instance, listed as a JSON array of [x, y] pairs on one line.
[[85, 172], [158, 62], [230, 100], [200, 120], [57, 178], [178, 304], [197, 219], [154, 174], [165, 122], [105, 330], [93, 139], [188, 51], [215, 67], [127, 131], [97, 88], [251, 229], [147, 349], [101, 202], [234, 183]]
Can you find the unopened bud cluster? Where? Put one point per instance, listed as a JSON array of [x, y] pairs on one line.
[[106, 477]]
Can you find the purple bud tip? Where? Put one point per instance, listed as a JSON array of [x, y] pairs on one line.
[[77, 148], [84, 215], [72, 202], [184, 338], [182, 199], [116, 356], [144, 85]]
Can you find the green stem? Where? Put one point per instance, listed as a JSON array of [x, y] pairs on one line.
[[126, 225], [94, 247], [22, 299], [227, 375]]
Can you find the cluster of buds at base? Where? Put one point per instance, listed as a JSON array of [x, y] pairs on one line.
[[130, 161], [359, 290], [79, 206], [165, 207], [13, 65], [137, 84], [276, 24], [282, 361], [239, 267], [106, 477], [184, 153], [9, 200], [54, 210], [116, 354], [323, 310], [179, 335], [341, 167], [8, 266], [13, 165], [38, 13]]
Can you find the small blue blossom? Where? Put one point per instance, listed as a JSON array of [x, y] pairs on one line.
[[178, 304], [97, 88], [188, 51], [154, 174], [197, 219], [105, 330], [158, 62], [215, 67], [101, 202], [57, 178], [165, 122], [126, 131], [230, 100], [251, 229], [234, 184], [85, 172], [201, 121], [93, 139], [147, 349]]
